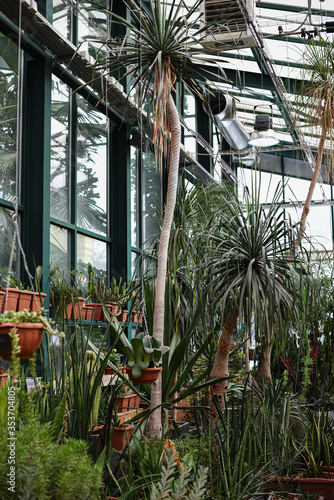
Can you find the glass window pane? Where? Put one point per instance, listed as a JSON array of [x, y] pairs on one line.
[[6, 240], [59, 183], [59, 248], [318, 226], [266, 182], [91, 251], [151, 198], [91, 168], [8, 117], [61, 18], [134, 194], [297, 189]]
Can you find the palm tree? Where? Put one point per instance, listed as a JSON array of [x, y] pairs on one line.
[[316, 102], [251, 276], [156, 52]]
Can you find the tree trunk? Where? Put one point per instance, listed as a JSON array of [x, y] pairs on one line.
[[159, 307], [220, 365], [264, 366], [315, 176]]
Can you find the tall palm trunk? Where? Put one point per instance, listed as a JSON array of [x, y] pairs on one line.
[[220, 365], [315, 176], [159, 307], [264, 366]]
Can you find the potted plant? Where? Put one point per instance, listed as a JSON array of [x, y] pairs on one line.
[[29, 325], [18, 296], [66, 297], [144, 355], [114, 358], [114, 298], [126, 399]]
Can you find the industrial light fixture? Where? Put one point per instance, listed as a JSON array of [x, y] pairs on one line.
[[263, 135]]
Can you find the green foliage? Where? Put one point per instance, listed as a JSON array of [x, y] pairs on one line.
[[118, 292], [198, 447], [45, 469], [180, 483], [64, 290], [319, 443]]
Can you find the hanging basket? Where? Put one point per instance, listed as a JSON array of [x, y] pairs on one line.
[[147, 376], [31, 335]]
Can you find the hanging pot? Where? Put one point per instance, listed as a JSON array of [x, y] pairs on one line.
[[31, 336], [11, 299], [37, 301], [148, 376], [24, 300]]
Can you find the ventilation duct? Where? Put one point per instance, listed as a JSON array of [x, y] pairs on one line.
[[223, 109]]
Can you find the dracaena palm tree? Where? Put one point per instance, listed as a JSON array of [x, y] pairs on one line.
[[251, 276], [315, 101], [157, 50]]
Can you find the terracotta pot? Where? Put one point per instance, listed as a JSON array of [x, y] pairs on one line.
[[113, 307], [24, 300], [123, 316], [89, 311], [37, 301], [11, 299], [110, 371], [118, 439], [97, 311], [76, 310], [31, 335], [328, 474], [148, 376], [129, 402], [3, 377], [2, 298], [308, 485]]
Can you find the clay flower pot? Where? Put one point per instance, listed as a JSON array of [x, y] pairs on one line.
[[123, 316], [24, 300], [129, 402], [31, 336], [97, 311], [37, 301], [307, 485], [10, 299], [148, 376], [118, 439]]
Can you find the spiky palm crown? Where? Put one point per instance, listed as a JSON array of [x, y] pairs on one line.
[[247, 261], [316, 95], [156, 50]]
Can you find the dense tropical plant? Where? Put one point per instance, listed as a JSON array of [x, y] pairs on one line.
[[47, 465], [250, 275]]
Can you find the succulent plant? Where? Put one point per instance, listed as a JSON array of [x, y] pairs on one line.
[[144, 351]]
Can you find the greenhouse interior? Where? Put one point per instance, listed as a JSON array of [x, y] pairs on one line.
[[166, 250]]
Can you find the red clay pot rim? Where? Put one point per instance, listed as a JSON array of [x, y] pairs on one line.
[[38, 326]]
